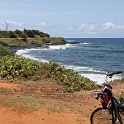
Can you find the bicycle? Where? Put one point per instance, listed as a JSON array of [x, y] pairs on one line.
[[111, 111]]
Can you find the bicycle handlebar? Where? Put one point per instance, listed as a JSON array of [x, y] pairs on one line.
[[99, 94], [113, 73]]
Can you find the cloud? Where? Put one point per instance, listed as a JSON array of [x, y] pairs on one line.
[[44, 24], [15, 23], [87, 27], [70, 28], [112, 26], [12, 25]]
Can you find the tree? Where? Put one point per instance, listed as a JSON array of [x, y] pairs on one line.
[[18, 32], [36, 32], [23, 35], [12, 34]]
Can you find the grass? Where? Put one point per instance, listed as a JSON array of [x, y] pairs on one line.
[[5, 91], [29, 104], [22, 102]]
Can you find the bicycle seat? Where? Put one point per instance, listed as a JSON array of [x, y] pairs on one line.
[[121, 104]]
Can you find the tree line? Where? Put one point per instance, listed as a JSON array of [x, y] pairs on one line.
[[23, 34]]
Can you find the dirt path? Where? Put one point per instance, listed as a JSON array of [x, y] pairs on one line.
[[10, 86], [10, 115]]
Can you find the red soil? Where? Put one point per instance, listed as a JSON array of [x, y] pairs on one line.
[[10, 115]]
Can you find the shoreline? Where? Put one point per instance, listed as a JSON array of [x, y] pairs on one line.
[[95, 75], [44, 45]]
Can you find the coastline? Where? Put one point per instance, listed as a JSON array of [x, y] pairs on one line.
[[44, 45], [94, 75]]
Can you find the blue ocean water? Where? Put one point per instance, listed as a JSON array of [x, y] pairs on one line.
[[91, 55], [104, 54]]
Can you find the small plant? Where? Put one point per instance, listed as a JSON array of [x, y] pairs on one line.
[[5, 91]]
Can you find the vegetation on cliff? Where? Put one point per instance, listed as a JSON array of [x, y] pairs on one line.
[[26, 38], [17, 67], [4, 51], [22, 34]]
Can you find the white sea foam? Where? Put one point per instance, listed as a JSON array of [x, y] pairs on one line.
[[100, 78], [25, 52], [21, 52], [54, 47], [86, 43], [83, 69], [57, 47], [94, 75]]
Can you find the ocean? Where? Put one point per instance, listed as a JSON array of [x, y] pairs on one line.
[[92, 57]]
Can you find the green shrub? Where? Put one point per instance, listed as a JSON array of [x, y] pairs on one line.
[[18, 33], [4, 34], [4, 51], [53, 40], [18, 67], [3, 43], [12, 34], [72, 80]]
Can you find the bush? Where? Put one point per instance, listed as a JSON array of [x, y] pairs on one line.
[[72, 80], [16, 66], [19, 67], [4, 51], [53, 40], [12, 34], [4, 34], [18, 32], [3, 43]]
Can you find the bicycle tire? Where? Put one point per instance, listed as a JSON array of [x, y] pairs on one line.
[[119, 115], [102, 116], [122, 118]]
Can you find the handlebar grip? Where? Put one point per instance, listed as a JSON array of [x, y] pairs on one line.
[[113, 73]]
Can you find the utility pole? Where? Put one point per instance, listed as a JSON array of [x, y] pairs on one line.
[[6, 26]]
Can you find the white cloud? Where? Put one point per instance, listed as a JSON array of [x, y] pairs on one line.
[[109, 25], [15, 23], [12, 25], [112, 26], [120, 27], [43, 24], [87, 27], [69, 28]]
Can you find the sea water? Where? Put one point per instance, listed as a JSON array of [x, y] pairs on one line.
[[91, 57]]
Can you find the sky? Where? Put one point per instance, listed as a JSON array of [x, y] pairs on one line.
[[65, 18]]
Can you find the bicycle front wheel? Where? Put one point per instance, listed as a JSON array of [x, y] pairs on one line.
[[102, 116]]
